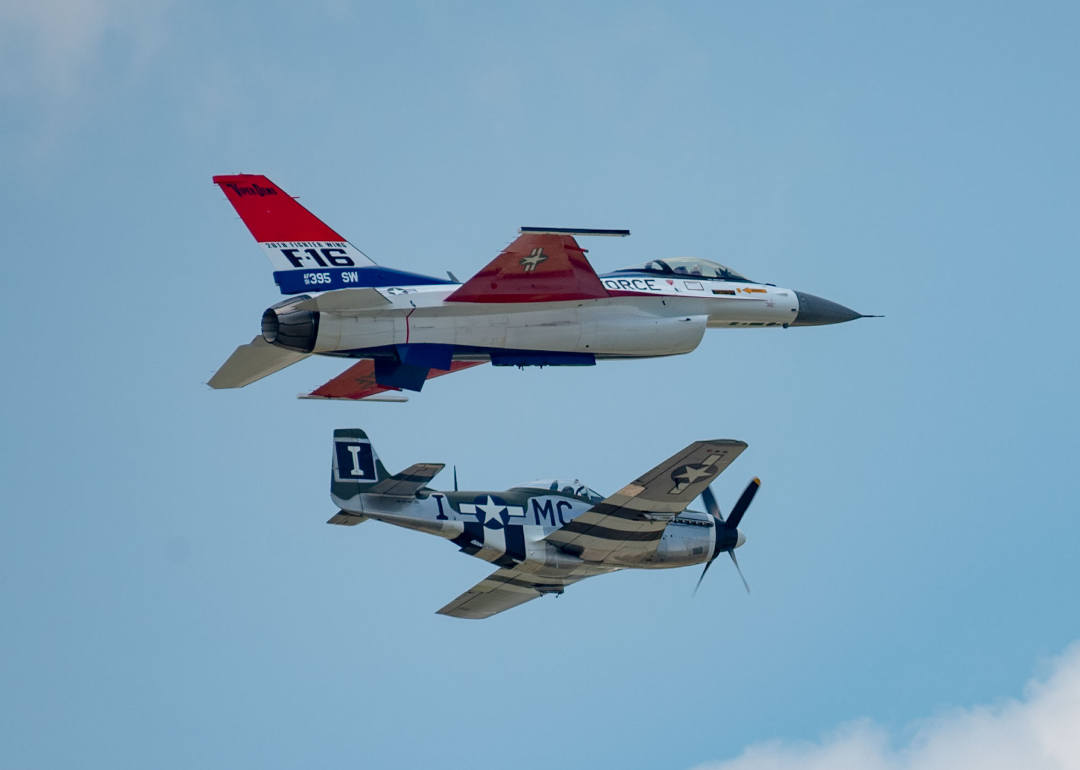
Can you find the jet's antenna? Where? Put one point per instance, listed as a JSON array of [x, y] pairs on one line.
[[455, 479]]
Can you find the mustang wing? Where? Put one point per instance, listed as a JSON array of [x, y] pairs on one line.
[[537, 267], [631, 522], [358, 382], [504, 589]]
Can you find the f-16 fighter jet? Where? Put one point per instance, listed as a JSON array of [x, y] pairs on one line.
[[539, 303], [546, 535]]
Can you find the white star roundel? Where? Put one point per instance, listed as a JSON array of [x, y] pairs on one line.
[[492, 512]]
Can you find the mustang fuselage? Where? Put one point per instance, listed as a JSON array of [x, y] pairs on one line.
[[508, 528]]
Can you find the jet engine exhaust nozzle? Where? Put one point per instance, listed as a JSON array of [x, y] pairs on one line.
[[816, 311], [291, 327]]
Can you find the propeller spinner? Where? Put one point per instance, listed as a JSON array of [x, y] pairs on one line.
[[728, 537]]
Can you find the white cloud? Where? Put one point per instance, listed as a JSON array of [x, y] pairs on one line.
[[1041, 731]]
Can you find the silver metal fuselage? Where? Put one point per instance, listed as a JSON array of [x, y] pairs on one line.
[[508, 528]]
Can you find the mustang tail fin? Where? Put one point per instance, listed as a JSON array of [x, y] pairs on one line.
[[307, 254], [356, 466]]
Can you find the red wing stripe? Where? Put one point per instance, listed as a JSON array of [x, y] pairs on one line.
[[358, 381]]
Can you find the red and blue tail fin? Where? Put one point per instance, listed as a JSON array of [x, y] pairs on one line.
[[307, 254]]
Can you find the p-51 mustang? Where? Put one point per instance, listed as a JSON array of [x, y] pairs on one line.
[[539, 303], [546, 535]]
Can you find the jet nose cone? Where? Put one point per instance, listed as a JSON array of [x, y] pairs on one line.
[[815, 311], [740, 539]]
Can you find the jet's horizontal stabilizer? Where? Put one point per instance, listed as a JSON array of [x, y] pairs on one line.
[[252, 362]]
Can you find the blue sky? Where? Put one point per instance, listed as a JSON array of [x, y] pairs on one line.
[[170, 594]]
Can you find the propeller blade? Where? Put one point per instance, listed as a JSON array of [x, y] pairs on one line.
[[710, 504], [737, 569], [707, 565], [743, 503], [730, 526], [455, 479]]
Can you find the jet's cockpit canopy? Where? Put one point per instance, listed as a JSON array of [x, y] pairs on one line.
[[565, 487], [688, 266]]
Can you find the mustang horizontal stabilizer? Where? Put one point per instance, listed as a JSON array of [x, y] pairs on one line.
[[408, 482], [502, 590], [536, 267], [358, 382], [252, 362], [347, 519], [630, 523]]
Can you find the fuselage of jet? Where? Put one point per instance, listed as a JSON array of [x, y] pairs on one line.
[[644, 316]]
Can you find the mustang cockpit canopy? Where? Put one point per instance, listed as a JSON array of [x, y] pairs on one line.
[[688, 266], [566, 487]]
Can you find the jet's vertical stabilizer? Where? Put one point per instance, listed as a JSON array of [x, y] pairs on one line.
[[307, 254]]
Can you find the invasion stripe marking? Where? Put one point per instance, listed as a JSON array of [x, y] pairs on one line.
[[411, 477], [607, 509], [606, 533], [469, 539], [515, 542]]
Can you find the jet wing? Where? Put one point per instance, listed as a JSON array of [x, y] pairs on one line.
[[502, 590], [631, 522], [358, 382], [537, 267]]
